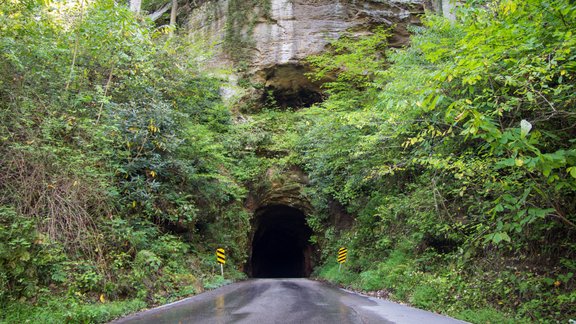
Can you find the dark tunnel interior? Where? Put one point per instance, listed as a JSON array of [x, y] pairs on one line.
[[280, 247]]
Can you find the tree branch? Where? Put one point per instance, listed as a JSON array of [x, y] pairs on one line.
[[157, 14]]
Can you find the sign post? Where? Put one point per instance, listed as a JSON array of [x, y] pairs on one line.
[[221, 258], [342, 254]]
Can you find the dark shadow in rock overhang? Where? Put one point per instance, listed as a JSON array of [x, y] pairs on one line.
[[287, 86]]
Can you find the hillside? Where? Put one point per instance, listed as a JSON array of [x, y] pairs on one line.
[[440, 152]]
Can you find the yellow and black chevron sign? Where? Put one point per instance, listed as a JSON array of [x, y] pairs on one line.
[[221, 256], [342, 253]]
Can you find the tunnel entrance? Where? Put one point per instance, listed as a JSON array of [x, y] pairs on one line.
[[280, 247]]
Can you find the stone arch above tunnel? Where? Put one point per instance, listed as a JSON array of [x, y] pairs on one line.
[[280, 245], [279, 241]]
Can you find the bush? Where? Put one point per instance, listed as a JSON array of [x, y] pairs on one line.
[[27, 259], [425, 296], [371, 280]]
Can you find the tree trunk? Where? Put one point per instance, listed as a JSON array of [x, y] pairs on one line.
[[173, 16], [135, 5], [448, 8], [173, 13]]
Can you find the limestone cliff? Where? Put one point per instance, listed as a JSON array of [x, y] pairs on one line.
[[274, 36]]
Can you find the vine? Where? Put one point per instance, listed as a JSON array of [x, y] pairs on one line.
[[243, 15]]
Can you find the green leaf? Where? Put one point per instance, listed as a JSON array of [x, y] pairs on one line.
[[25, 256], [499, 237], [506, 163], [572, 171]]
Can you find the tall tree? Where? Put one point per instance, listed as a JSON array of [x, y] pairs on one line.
[[173, 12]]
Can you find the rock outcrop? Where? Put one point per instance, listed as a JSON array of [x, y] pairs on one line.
[[299, 28], [277, 36], [281, 187]]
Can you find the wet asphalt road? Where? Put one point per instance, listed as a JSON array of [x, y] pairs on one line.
[[284, 301]]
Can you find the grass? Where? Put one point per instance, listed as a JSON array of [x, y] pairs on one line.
[[485, 316], [399, 275], [63, 310]]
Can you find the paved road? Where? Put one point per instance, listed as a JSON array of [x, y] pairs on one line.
[[284, 301]]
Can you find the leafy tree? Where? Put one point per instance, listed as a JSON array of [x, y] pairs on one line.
[[108, 150], [460, 146]]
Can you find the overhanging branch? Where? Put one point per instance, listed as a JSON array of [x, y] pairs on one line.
[[157, 14]]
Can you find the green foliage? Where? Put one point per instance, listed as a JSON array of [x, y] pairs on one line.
[[58, 310], [370, 281], [122, 170], [424, 296], [113, 173], [217, 282], [456, 154], [330, 272], [351, 62], [484, 315], [27, 261]]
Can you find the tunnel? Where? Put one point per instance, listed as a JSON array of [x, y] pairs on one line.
[[280, 246]]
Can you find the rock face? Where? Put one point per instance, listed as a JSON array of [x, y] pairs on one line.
[[299, 28], [281, 187], [287, 31]]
